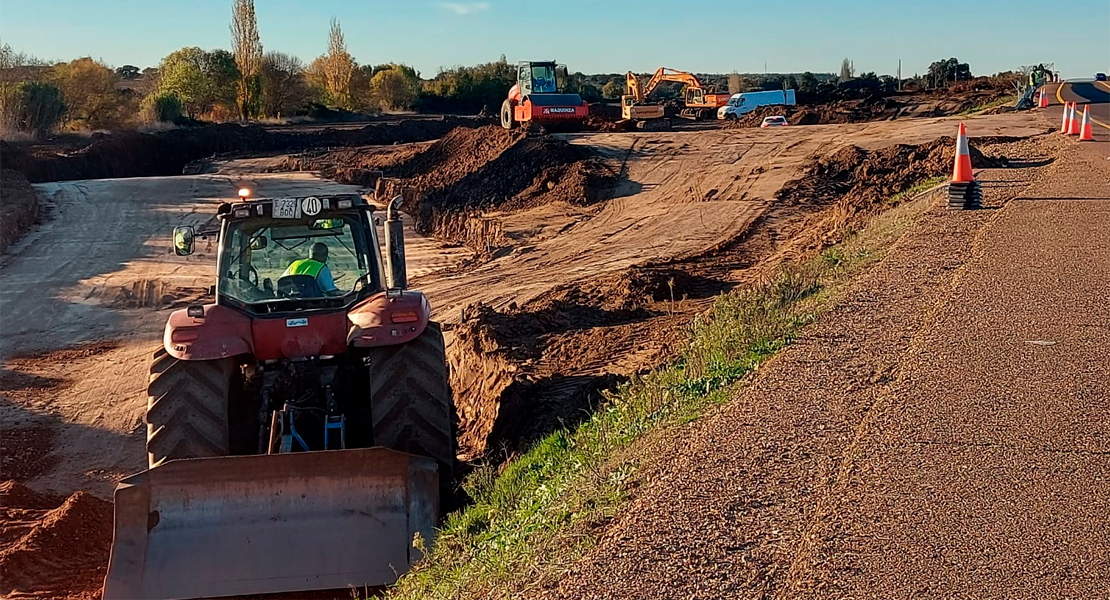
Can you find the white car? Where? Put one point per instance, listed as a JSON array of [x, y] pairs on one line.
[[775, 121]]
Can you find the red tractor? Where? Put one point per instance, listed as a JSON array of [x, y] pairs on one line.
[[300, 428], [535, 98]]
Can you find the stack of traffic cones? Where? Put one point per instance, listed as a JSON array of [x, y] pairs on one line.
[[1064, 122], [1085, 133], [1043, 101], [963, 190]]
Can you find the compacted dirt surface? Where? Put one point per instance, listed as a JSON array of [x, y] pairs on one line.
[[941, 433], [572, 263]]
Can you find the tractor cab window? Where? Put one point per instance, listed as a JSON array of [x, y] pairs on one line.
[[267, 260], [543, 79]]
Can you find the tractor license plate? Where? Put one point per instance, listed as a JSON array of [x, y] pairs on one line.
[[286, 208]]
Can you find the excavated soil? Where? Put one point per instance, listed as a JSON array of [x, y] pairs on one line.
[[875, 108], [470, 171], [844, 111], [52, 548], [133, 154], [19, 208], [520, 372]]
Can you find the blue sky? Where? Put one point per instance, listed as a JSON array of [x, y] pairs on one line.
[[591, 36]]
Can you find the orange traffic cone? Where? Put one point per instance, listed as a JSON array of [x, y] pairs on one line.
[[1043, 103], [963, 190], [961, 173], [1073, 122], [1064, 121], [1085, 133]]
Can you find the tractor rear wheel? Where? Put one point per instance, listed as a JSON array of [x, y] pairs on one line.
[[187, 408], [412, 407], [507, 120]]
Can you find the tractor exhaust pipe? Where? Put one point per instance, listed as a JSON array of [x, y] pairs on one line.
[[395, 245]]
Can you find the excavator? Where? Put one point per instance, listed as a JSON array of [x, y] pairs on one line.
[[535, 99], [698, 103], [648, 117], [300, 427]]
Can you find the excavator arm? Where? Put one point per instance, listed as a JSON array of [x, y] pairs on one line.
[[633, 84], [664, 74]]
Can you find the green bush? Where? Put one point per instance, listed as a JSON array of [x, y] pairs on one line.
[[162, 108], [36, 107]]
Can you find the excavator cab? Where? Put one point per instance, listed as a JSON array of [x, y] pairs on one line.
[[300, 428], [695, 96]]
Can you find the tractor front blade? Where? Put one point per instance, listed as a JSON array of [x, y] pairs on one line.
[[265, 524]]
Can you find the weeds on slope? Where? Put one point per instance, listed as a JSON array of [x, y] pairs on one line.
[[535, 518], [988, 105]]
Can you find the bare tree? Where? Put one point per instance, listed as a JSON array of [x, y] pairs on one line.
[[338, 66], [734, 84], [247, 47], [847, 69], [284, 88]]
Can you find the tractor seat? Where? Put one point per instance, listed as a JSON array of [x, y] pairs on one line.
[[299, 286]]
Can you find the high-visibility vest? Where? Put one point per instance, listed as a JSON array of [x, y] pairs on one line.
[[304, 266]]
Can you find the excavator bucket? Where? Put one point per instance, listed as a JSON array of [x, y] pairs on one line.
[[262, 524]]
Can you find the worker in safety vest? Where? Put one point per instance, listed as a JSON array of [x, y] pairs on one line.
[[316, 267]]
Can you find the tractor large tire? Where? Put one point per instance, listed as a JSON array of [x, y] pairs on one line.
[[412, 407], [507, 120], [187, 408]]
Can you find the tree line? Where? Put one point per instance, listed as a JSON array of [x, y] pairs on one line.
[[249, 83], [191, 84]]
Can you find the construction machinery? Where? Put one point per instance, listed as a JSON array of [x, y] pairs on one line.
[[698, 102], [535, 99], [634, 107], [300, 428]]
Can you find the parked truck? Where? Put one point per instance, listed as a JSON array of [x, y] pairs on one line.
[[741, 104]]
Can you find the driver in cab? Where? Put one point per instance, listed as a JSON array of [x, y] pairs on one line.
[[316, 267]]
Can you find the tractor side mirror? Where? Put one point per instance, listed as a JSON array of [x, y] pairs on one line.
[[183, 238], [259, 242]]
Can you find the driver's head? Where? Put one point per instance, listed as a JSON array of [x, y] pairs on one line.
[[319, 252]]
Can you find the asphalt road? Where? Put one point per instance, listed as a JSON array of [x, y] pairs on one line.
[[1084, 92]]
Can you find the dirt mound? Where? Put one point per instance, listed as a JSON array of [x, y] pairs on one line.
[[843, 111], [14, 495], [53, 551], [517, 375], [863, 177], [133, 154], [20, 207], [521, 372], [471, 170]]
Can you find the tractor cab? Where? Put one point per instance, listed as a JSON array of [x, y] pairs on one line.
[[289, 254]]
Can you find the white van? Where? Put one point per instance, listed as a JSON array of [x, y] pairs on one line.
[[742, 104]]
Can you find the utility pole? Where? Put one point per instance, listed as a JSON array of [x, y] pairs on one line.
[[899, 74]]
